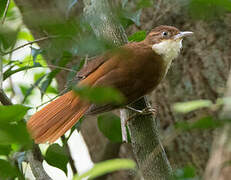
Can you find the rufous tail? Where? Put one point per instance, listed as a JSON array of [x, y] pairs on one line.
[[51, 122]]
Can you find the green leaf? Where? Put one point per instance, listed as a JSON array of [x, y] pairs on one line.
[[15, 133], [10, 72], [3, 6], [25, 36], [109, 125], [108, 166], [99, 95], [46, 83], [38, 75], [7, 170], [12, 113], [57, 156], [203, 123], [52, 90], [138, 36], [186, 173], [189, 106], [5, 149]]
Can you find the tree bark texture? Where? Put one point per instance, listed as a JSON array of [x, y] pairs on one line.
[[199, 73], [218, 167]]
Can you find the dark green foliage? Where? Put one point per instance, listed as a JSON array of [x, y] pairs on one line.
[[7, 38], [10, 72], [204, 123], [2, 5], [56, 156], [109, 125], [100, 95], [12, 113], [12, 128], [186, 173], [5, 149], [8, 171], [14, 133]]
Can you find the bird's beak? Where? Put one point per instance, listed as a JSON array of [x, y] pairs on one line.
[[183, 34]]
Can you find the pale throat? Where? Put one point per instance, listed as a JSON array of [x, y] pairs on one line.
[[169, 50]]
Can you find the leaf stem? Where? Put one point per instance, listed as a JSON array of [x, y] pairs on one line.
[[5, 11]]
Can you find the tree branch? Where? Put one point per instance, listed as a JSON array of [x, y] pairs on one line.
[[4, 99], [29, 43], [145, 137], [35, 159]]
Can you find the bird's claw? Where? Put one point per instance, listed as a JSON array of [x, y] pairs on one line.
[[145, 111]]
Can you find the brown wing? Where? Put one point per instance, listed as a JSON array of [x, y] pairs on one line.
[[132, 72], [92, 65]]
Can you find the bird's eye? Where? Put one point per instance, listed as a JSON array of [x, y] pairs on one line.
[[165, 34]]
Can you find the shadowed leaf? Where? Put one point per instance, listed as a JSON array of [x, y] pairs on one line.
[[7, 170], [109, 125], [186, 173], [56, 156], [14, 133], [5, 149], [99, 95], [204, 123]]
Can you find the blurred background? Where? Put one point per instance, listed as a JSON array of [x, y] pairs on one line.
[[45, 43]]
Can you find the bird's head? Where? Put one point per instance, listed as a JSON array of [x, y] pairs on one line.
[[166, 41]]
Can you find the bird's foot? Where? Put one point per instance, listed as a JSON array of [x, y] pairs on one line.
[[145, 111]]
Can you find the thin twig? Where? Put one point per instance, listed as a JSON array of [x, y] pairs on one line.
[[5, 11], [35, 159], [29, 43], [71, 160], [4, 99], [59, 67]]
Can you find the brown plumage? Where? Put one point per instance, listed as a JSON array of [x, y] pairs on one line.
[[134, 69]]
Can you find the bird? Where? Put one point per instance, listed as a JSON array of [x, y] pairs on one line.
[[134, 69]]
